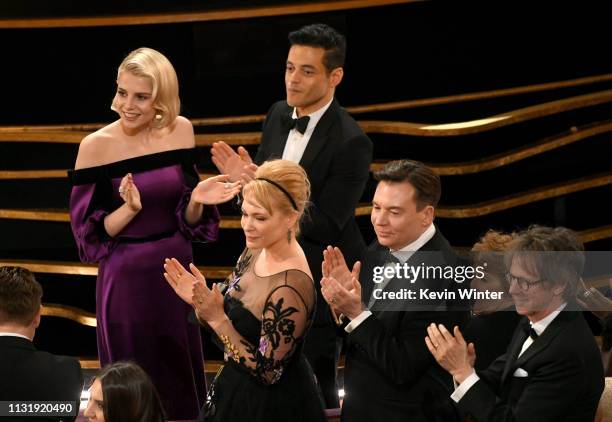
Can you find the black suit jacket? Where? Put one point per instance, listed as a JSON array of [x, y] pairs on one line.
[[389, 373], [491, 334], [27, 374], [564, 379], [337, 161]]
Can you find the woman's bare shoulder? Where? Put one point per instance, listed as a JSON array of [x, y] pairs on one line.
[[94, 149], [297, 267], [182, 133]]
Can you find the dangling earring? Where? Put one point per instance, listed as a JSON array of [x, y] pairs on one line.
[[289, 236]]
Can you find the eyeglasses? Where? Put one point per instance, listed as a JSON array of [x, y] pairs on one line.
[[522, 283]]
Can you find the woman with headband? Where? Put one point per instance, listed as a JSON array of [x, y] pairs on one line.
[[263, 312]]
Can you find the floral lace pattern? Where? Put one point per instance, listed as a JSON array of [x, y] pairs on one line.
[[234, 278], [277, 329], [284, 319]]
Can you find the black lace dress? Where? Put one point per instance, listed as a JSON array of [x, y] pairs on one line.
[[266, 377]]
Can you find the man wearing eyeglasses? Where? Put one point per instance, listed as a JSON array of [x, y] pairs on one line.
[[552, 369]]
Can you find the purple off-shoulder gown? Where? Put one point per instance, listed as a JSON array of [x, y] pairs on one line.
[[140, 318]]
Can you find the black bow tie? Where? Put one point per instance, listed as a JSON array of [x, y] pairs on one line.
[[390, 258], [529, 331], [299, 124]]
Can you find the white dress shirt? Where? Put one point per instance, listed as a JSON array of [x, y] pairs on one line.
[[538, 327], [8, 334], [296, 142], [403, 255]]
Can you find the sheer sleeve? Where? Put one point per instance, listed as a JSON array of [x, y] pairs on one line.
[[89, 205], [207, 229], [286, 318]]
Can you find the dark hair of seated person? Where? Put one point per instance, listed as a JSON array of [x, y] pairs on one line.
[[129, 395]]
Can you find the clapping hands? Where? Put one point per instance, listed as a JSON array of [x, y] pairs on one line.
[[237, 165], [215, 190], [339, 286], [452, 353], [334, 265], [191, 287], [129, 193]]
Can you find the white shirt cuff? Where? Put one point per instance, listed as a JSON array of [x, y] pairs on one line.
[[358, 320], [465, 386]]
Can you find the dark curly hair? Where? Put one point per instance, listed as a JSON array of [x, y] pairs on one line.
[[322, 36]]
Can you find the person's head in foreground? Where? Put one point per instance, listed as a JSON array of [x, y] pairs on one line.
[[123, 392], [20, 301]]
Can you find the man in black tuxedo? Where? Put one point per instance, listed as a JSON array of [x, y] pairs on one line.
[[552, 370], [311, 128], [389, 374], [26, 373]]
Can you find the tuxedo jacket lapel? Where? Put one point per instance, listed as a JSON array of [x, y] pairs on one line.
[[319, 136], [375, 258], [279, 142], [555, 327], [275, 133], [515, 348], [432, 249], [379, 257], [540, 344]]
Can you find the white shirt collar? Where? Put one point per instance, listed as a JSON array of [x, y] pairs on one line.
[[405, 253], [315, 116], [8, 334], [541, 325], [422, 240]]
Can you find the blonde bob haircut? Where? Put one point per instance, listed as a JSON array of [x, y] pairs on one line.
[[151, 64], [291, 177]]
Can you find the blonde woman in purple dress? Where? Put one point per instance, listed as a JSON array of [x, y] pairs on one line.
[[136, 198]]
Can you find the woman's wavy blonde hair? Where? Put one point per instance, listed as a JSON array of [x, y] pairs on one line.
[[151, 64]]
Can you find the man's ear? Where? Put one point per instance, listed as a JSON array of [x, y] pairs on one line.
[[428, 215], [559, 289], [335, 76], [37, 317]]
